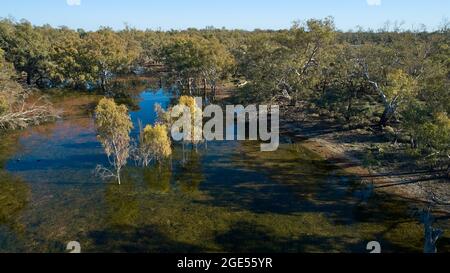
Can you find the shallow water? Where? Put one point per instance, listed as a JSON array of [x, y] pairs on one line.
[[227, 196]]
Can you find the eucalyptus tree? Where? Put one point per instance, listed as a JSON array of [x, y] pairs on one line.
[[287, 63], [154, 145], [193, 57], [68, 67], [105, 53], [27, 48], [113, 127], [9, 89]]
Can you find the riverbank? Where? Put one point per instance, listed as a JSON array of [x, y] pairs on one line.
[[371, 156]]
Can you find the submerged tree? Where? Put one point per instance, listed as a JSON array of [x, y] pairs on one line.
[[184, 121], [195, 126], [113, 127], [154, 144]]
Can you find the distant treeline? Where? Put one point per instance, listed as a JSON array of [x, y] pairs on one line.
[[397, 79]]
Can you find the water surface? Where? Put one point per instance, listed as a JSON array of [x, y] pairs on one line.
[[227, 196]]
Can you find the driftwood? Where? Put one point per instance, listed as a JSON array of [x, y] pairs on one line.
[[24, 115], [104, 173]]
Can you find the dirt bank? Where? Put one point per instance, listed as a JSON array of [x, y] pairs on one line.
[[350, 149]]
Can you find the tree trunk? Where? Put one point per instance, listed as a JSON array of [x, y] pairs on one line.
[[213, 89], [189, 86], [431, 234], [118, 176], [29, 78], [389, 111], [104, 80], [349, 108], [205, 87]]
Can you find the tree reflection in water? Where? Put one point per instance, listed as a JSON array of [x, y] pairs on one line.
[[158, 178], [122, 202], [190, 175]]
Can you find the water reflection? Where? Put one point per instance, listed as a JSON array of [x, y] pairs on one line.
[[226, 197], [122, 202], [158, 178], [190, 174]]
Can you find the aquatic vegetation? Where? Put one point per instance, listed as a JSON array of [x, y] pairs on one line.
[[158, 178], [190, 176], [122, 204], [14, 197]]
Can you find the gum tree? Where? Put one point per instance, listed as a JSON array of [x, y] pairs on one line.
[[399, 88], [113, 127], [194, 57], [105, 53], [27, 48], [154, 144]]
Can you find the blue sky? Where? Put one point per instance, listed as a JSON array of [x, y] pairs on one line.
[[243, 14]]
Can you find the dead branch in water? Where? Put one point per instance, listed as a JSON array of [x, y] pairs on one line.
[[104, 173], [23, 114]]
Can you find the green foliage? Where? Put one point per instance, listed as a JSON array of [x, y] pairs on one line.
[[155, 144], [27, 48], [192, 56], [393, 78], [113, 127], [63, 57], [9, 89], [287, 62], [434, 135], [106, 53], [400, 85]]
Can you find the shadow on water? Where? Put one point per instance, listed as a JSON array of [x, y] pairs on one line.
[[287, 181], [227, 197], [256, 238], [146, 239]]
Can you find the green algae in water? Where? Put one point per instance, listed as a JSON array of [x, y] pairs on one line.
[[227, 197]]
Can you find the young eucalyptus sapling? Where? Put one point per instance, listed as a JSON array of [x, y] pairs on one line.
[[113, 128]]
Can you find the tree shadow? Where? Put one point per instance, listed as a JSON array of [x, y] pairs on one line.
[[287, 186], [145, 239], [247, 237]]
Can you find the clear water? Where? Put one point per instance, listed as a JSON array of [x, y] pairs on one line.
[[227, 196]]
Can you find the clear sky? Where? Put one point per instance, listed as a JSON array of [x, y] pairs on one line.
[[242, 14]]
